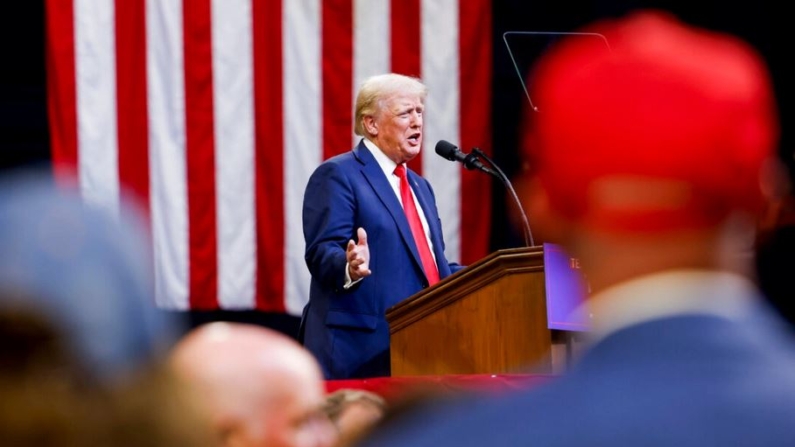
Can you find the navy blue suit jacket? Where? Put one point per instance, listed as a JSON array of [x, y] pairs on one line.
[[347, 329], [690, 380]]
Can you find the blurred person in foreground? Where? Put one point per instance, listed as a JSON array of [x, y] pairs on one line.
[[646, 161], [82, 347], [258, 386], [372, 231]]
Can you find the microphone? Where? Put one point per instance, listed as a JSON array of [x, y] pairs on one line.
[[451, 152]]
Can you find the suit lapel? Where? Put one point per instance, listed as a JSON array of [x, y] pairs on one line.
[[378, 181], [432, 218]]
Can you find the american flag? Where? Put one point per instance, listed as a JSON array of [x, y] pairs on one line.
[[214, 113]]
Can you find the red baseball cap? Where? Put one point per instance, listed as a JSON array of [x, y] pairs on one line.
[[667, 126]]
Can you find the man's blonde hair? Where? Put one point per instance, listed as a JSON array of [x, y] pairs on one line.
[[375, 89], [340, 399]]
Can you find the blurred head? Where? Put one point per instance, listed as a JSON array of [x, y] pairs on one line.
[[81, 343], [389, 112], [260, 387], [667, 130], [84, 272]]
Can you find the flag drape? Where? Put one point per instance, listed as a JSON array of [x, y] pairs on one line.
[[214, 113]]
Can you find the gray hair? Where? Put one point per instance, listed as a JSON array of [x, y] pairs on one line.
[[375, 89]]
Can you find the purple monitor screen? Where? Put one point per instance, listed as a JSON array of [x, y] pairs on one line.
[[566, 289]]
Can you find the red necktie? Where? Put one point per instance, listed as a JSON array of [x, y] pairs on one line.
[[428, 264]]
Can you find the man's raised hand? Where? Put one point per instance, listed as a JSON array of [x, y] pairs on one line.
[[358, 255]]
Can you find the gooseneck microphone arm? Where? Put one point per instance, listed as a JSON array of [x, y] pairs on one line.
[[470, 161], [528, 235]]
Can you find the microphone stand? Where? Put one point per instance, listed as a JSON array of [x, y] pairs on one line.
[[497, 172]]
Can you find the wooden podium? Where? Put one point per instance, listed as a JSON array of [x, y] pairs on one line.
[[487, 318]]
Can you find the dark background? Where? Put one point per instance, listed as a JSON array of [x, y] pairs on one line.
[[761, 23], [24, 135]]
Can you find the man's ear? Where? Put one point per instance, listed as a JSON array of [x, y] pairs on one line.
[[776, 184], [370, 125], [546, 223]]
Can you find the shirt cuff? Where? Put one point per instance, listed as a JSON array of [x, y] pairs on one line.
[[348, 283]]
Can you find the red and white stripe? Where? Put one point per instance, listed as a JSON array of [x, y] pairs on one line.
[[214, 113]]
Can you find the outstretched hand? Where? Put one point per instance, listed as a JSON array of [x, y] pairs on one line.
[[358, 255]]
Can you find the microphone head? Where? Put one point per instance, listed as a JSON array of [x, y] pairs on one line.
[[447, 150]]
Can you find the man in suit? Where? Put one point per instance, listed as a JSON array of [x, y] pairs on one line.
[[364, 252], [646, 160]]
